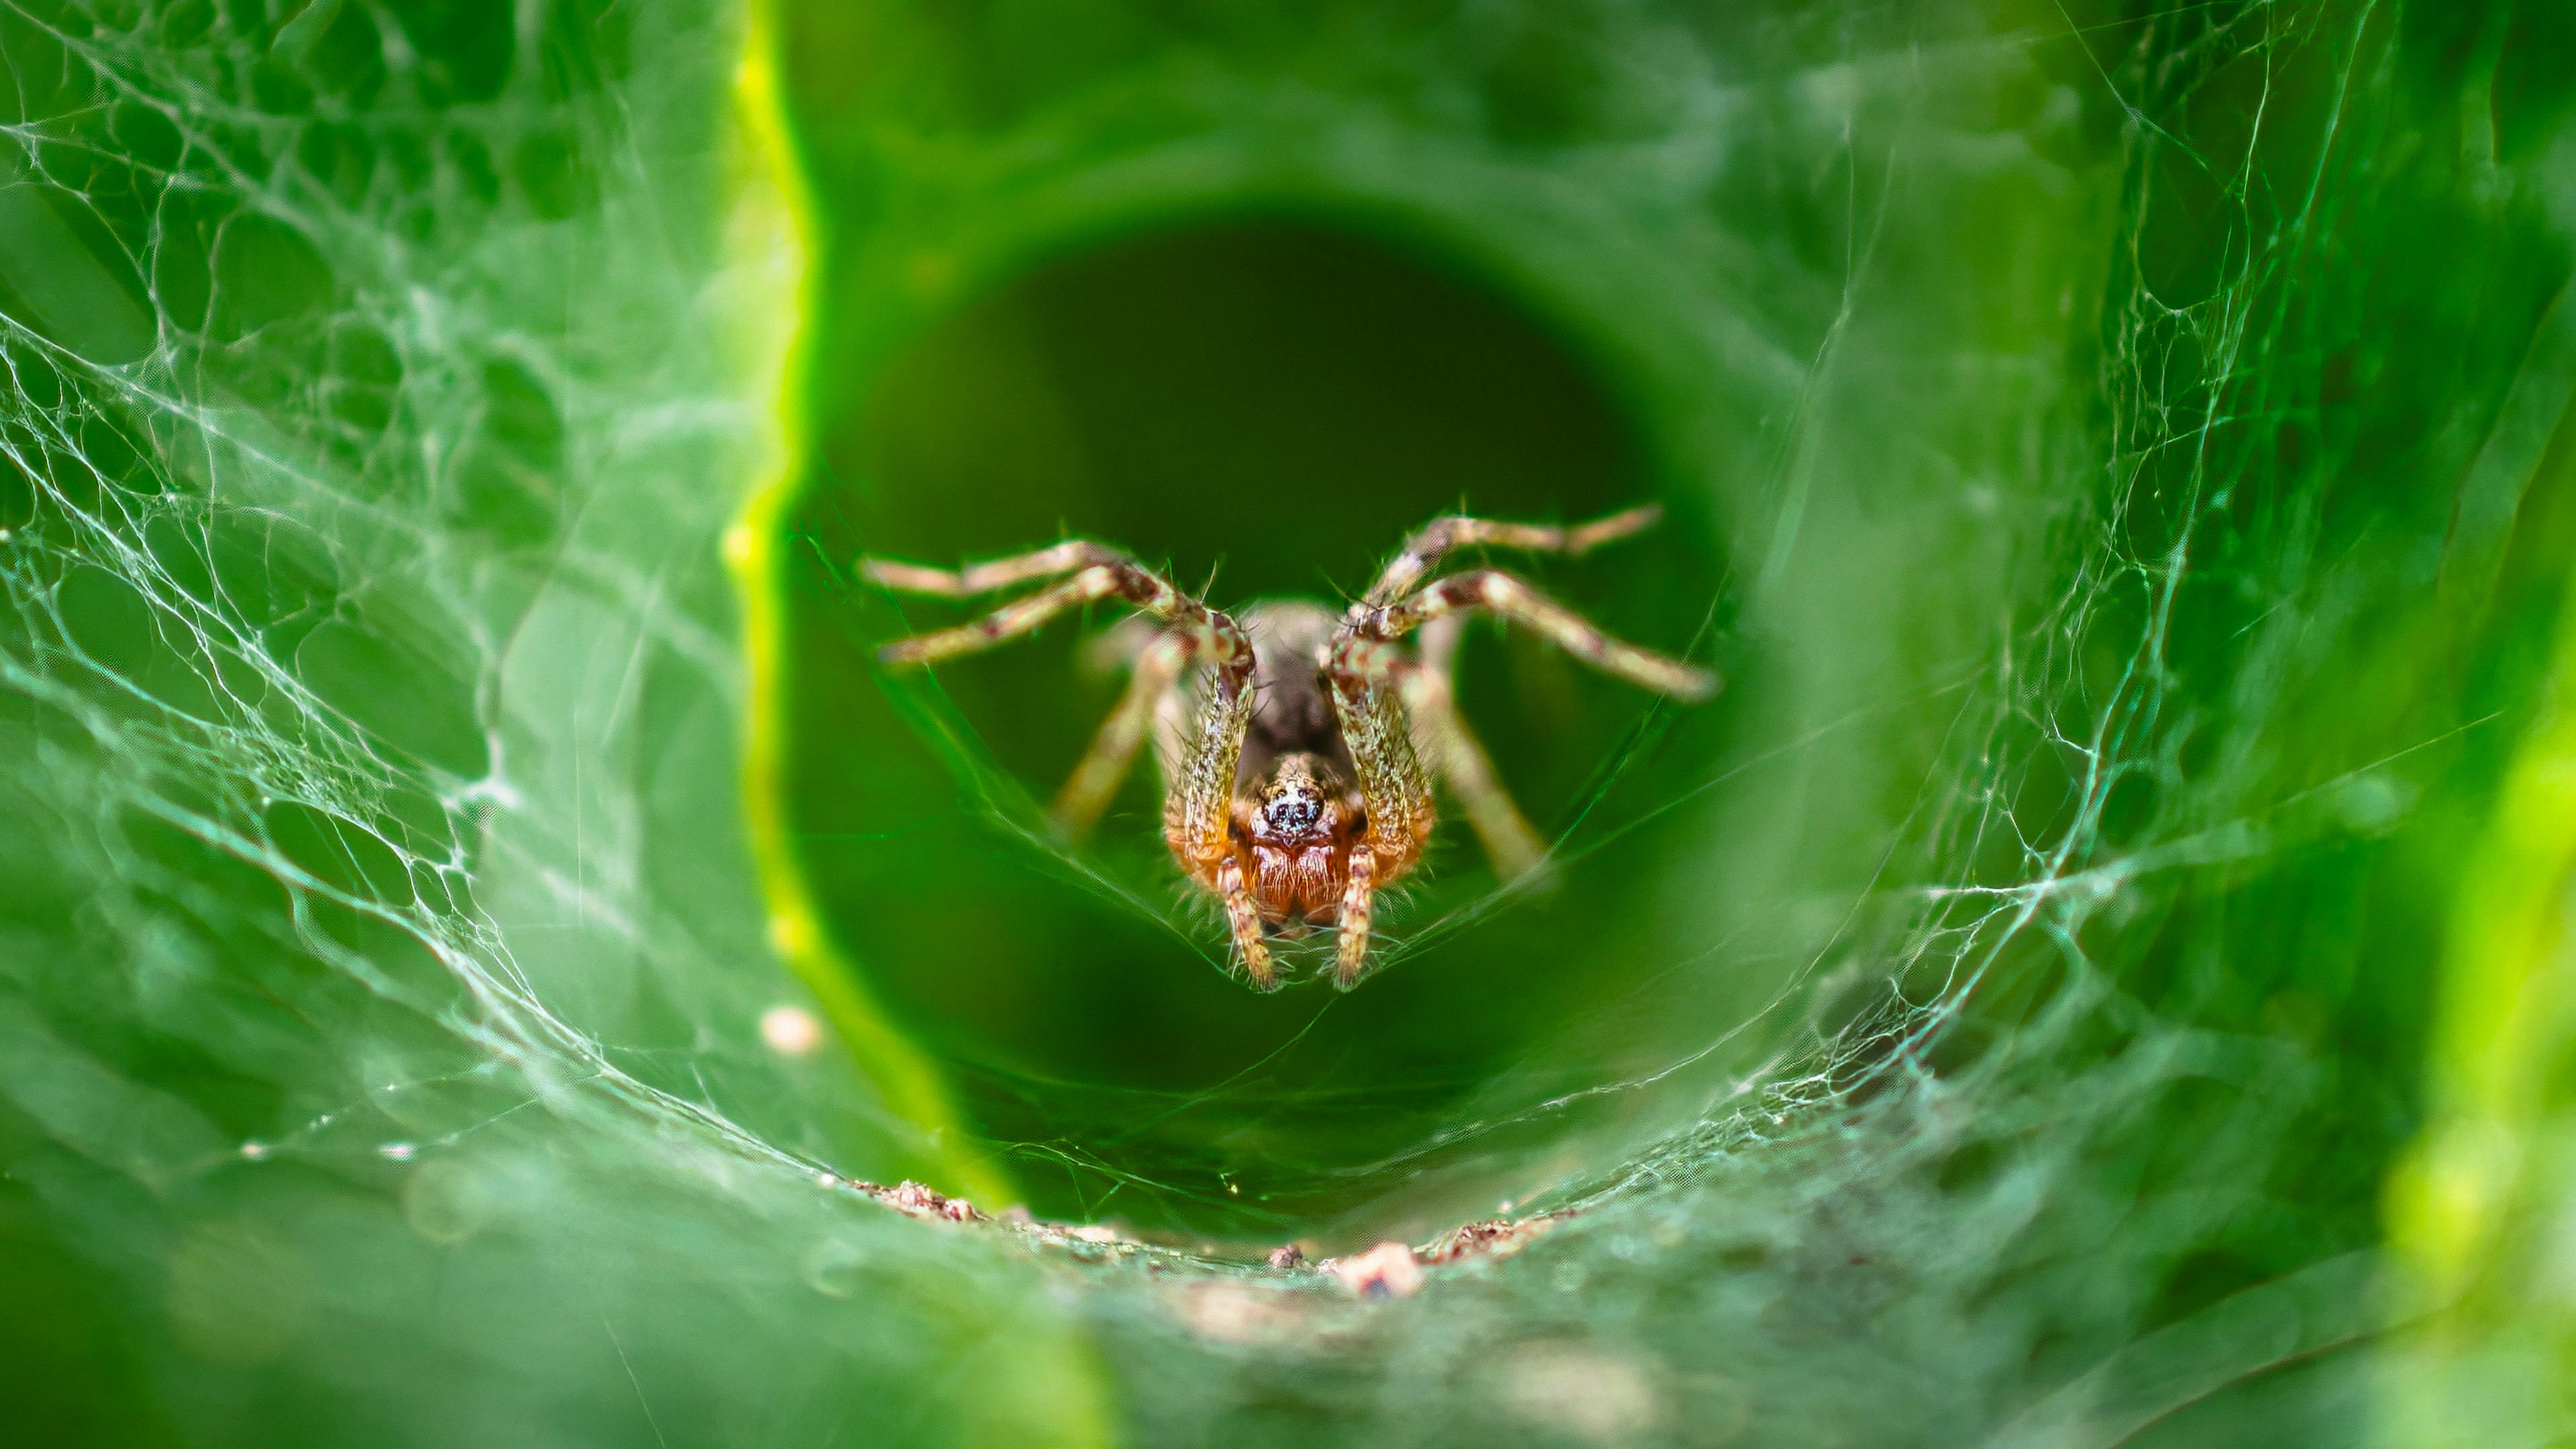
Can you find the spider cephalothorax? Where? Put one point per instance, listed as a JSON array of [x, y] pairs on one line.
[[1296, 829], [1293, 743]]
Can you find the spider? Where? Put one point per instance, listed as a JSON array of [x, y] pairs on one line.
[[1293, 742]]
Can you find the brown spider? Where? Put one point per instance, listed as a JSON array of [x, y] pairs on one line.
[[1293, 780]]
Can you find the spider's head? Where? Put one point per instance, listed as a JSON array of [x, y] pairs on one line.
[[1298, 804], [1297, 821]]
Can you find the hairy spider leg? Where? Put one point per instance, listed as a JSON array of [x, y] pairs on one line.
[[1364, 666], [1394, 793], [1443, 740], [1100, 573], [1434, 540], [1200, 795], [984, 578], [1154, 675], [1359, 904], [1198, 808], [1369, 632], [1243, 922]]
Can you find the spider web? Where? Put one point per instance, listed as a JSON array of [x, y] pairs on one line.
[[385, 961]]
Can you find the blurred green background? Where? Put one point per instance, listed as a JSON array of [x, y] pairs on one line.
[[2094, 977]]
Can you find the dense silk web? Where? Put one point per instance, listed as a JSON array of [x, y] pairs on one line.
[[380, 387]]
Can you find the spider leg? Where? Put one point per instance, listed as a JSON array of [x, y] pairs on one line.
[[1374, 631], [1441, 738], [1155, 673], [1359, 906], [984, 578], [1198, 785], [1395, 796], [1198, 793], [1433, 541], [1099, 572], [1243, 921]]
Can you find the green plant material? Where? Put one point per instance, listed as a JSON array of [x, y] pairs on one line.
[[380, 1044], [460, 943]]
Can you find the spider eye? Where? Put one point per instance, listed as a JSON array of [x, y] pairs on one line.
[[1291, 813]]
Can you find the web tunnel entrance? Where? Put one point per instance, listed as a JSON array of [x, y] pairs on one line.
[[1268, 406]]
